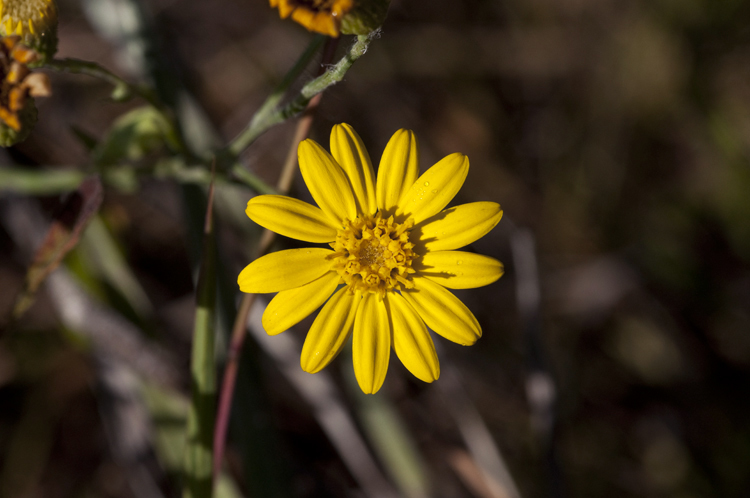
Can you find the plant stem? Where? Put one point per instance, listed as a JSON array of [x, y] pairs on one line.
[[198, 474], [271, 115], [239, 329]]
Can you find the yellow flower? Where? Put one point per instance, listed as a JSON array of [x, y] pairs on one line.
[[35, 21], [321, 16], [392, 248]]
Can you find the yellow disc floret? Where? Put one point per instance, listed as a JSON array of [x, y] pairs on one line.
[[374, 254]]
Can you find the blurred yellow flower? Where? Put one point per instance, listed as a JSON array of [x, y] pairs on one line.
[[35, 21], [321, 16], [392, 247]]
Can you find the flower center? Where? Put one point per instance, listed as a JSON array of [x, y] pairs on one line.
[[374, 254]]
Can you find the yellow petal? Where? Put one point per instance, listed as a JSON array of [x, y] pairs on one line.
[[327, 182], [371, 345], [329, 331], [435, 188], [443, 312], [411, 339], [285, 8], [349, 151], [291, 306], [459, 269], [399, 168], [456, 227], [291, 218], [284, 270]]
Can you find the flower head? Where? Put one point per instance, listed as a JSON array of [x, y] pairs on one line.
[[18, 86], [392, 251], [321, 16], [35, 21]]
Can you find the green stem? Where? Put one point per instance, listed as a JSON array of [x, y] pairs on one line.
[[122, 91], [200, 426], [39, 182], [270, 114]]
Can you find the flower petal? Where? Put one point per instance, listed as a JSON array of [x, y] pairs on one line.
[[329, 331], [327, 182], [456, 227], [291, 306], [291, 218], [443, 312], [411, 339], [349, 151], [435, 188], [284, 270], [459, 269], [399, 168], [371, 345]]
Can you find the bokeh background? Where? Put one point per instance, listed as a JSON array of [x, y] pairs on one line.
[[615, 359]]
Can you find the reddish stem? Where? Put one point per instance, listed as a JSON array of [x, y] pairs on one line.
[[240, 324]]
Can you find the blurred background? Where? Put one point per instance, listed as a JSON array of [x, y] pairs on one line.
[[615, 359]]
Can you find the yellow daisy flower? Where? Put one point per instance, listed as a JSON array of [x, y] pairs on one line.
[[392, 249]]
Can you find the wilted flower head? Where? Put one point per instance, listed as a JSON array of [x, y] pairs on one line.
[[391, 261], [18, 86], [35, 21]]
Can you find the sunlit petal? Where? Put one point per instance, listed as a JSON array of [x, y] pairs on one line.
[[459, 269], [371, 344], [349, 151], [329, 331], [443, 312], [399, 168], [411, 339], [432, 191], [327, 182], [456, 227], [291, 218], [284, 270], [291, 306]]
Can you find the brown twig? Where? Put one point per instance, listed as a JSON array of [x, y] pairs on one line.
[[240, 324]]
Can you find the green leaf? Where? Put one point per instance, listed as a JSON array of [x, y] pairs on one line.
[[133, 136]]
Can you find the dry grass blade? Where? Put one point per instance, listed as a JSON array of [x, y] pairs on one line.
[[61, 238]]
